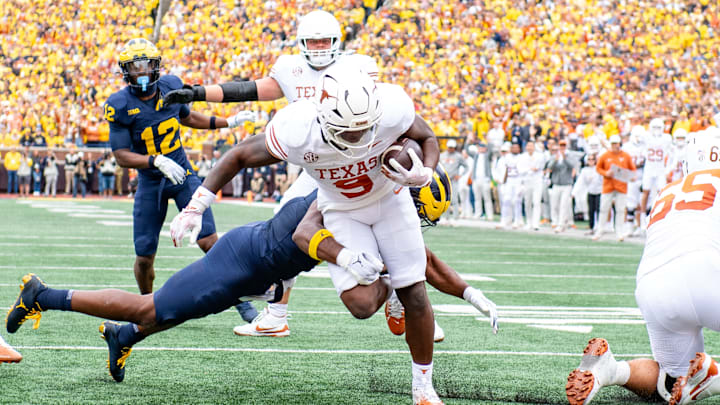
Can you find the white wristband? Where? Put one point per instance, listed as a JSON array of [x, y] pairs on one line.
[[343, 258], [203, 198]]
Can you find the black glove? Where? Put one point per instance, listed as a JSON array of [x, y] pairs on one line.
[[187, 94]]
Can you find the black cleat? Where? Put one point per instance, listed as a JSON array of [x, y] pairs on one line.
[[117, 355], [26, 306]]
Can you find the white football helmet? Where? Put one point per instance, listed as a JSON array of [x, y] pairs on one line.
[[637, 133], [657, 127], [679, 137], [702, 152], [348, 109], [319, 24], [593, 144]]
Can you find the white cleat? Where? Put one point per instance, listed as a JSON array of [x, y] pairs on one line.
[[703, 373], [426, 396], [595, 371], [265, 324], [8, 354], [439, 333]]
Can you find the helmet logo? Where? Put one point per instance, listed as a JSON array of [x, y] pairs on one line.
[[325, 95], [310, 157]]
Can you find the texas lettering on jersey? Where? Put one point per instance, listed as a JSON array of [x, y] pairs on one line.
[[297, 79]]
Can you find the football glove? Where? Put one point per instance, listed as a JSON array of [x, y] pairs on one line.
[[487, 307], [240, 117], [189, 220], [187, 94], [170, 169], [364, 268], [417, 176]]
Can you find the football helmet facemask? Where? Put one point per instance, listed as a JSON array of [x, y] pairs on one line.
[[656, 127], [319, 24], [348, 110], [433, 200], [139, 61]]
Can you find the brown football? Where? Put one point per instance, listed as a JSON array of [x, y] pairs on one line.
[[399, 151]]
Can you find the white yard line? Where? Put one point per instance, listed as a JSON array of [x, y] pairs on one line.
[[328, 351]]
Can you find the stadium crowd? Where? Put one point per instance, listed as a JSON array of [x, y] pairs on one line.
[[480, 72]]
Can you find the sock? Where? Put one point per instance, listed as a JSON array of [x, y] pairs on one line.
[[622, 373], [55, 299], [278, 310], [129, 334], [422, 374]]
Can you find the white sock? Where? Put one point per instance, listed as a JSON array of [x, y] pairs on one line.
[[278, 310], [422, 374], [622, 373]]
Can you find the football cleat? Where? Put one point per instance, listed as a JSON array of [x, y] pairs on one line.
[[265, 324], [117, 354], [26, 306], [596, 370], [395, 315], [439, 333], [8, 354], [425, 396], [703, 372]]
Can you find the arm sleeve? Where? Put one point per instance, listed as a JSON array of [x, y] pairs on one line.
[[184, 111], [119, 136]]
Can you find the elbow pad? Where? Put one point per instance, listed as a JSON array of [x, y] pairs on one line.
[[239, 91]]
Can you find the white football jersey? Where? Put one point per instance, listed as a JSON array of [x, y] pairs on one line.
[[685, 218], [294, 135], [675, 163], [297, 79], [657, 149], [637, 153]]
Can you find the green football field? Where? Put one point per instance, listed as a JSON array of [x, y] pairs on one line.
[[554, 294]]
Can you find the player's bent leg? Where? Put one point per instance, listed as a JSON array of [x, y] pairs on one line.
[[597, 369], [702, 381], [8, 354]]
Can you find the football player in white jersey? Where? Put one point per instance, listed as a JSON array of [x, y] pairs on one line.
[[293, 77], [338, 140], [676, 292], [510, 180], [675, 165], [635, 147], [658, 146]]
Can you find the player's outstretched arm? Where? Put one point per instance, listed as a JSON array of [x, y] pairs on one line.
[[249, 153], [421, 132], [312, 238], [264, 89], [443, 277]]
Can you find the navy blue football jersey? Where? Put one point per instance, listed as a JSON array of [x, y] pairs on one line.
[[148, 127], [273, 246]]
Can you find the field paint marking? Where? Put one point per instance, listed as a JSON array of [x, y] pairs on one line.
[[326, 351], [80, 212], [515, 253], [100, 216], [565, 328]]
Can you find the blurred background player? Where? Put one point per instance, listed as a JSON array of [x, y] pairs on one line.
[[144, 134], [635, 147], [509, 181], [658, 146], [675, 160], [293, 77], [676, 292]]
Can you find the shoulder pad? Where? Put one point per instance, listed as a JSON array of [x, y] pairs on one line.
[[172, 81], [397, 106], [115, 108]]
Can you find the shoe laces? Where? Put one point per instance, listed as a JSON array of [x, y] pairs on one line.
[[395, 308], [32, 313], [124, 354]]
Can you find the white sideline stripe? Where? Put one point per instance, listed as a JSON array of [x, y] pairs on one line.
[[590, 276], [60, 237], [101, 255], [82, 211], [553, 264], [326, 351], [100, 216], [478, 243]]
